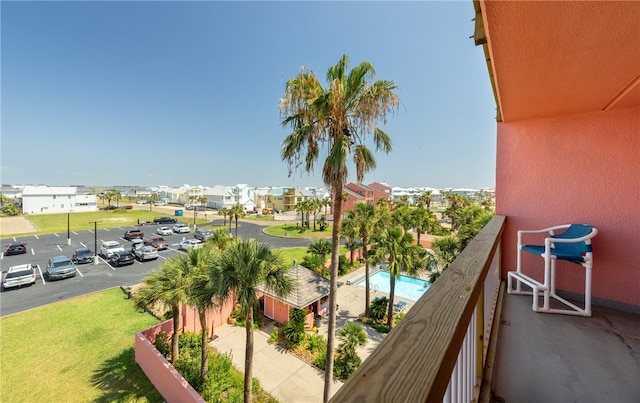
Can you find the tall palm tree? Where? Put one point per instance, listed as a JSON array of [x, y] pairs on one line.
[[201, 294], [350, 234], [236, 212], [365, 218], [341, 116], [224, 212], [169, 285], [395, 246], [153, 199], [242, 267]]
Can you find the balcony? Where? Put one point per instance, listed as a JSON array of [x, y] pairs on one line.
[[450, 348]]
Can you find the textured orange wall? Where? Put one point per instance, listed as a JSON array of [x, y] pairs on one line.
[[582, 168]]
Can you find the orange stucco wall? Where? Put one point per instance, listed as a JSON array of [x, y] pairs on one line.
[[582, 168]]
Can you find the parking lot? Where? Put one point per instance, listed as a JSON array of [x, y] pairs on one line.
[[90, 277]]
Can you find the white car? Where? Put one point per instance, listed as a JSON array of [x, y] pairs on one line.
[[108, 248], [191, 243], [181, 228], [22, 274], [146, 253], [164, 231]]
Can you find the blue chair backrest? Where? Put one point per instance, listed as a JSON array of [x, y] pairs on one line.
[[576, 249]]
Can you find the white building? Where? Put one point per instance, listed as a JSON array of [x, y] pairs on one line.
[[48, 199]]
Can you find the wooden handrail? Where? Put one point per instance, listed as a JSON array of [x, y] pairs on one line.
[[414, 362]]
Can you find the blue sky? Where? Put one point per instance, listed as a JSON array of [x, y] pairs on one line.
[[172, 93]]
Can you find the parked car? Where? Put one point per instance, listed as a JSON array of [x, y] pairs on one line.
[[164, 220], [164, 231], [191, 243], [202, 234], [181, 228], [122, 258], [16, 248], [133, 234], [83, 255], [157, 242], [110, 207], [59, 267], [17, 276], [136, 243], [146, 252], [108, 248], [141, 202]]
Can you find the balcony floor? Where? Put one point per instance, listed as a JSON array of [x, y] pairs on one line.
[[560, 358]]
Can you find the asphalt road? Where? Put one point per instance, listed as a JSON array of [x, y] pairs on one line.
[[92, 278]]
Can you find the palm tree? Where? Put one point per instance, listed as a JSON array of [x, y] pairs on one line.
[[300, 209], [203, 200], [351, 335], [236, 212], [242, 267], [167, 285], [396, 247], [220, 239], [153, 199], [320, 247], [224, 212], [349, 231], [341, 116], [201, 294], [365, 218]]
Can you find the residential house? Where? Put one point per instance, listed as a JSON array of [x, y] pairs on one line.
[[381, 191], [243, 195], [219, 197], [565, 77], [49, 199]]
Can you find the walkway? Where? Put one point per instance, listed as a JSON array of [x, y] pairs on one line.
[[284, 375]]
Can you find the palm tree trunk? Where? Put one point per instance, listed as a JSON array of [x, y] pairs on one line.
[[392, 289], [175, 338], [333, 289], [367, 290], [236, 226], [248, 356], [204, 352]]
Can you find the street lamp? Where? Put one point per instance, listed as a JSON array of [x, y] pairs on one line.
[[68, 228], [95, 242]]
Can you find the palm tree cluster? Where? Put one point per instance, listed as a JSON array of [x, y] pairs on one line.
[[225, 269]]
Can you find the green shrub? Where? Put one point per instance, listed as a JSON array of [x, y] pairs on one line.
[[274, 337], [294, 329], [189, 368], [316, 343], [321, 357], [345, 365], [162, 344], [378, 308], [343, 265], [382, 328]]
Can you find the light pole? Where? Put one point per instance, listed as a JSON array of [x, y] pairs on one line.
[[95, 242], [68, 228]]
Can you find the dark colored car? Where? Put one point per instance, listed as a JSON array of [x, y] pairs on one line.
[[16, 248], [157, 242], [110, 207], [202, 234], [83, 255], [133, 234], [122, 259], [164, 220]]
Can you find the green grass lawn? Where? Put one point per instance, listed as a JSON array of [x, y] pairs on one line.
[[50, 223], [293, 231], [78, 350]]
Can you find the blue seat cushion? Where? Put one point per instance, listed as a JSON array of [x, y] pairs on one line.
[[561, 252]]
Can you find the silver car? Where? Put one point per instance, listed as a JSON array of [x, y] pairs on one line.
[[146, 253], [60, 267], [17, 276]]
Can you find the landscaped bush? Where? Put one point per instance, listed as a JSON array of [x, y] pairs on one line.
[[294, 329], [378, 308], [345, 365], [380, 327], [316, 343], [343, 265], [274, 337], [163, 344]]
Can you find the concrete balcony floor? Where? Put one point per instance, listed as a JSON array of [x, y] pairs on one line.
[[560, 358]]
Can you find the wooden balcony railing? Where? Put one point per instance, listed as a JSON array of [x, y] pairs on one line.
[[450, 324]]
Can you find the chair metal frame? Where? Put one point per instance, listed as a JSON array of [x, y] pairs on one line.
[[548, 286]]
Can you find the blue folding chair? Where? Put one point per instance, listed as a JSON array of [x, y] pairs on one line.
[[573, 245]]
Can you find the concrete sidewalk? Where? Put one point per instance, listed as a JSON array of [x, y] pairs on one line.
[[284, 375]]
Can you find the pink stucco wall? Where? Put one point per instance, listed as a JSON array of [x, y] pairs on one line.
[[582, 168], [216, 316]]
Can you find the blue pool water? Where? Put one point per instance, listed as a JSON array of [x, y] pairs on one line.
[[406, 287]]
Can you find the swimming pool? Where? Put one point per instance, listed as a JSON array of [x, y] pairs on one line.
[[406, 287]]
